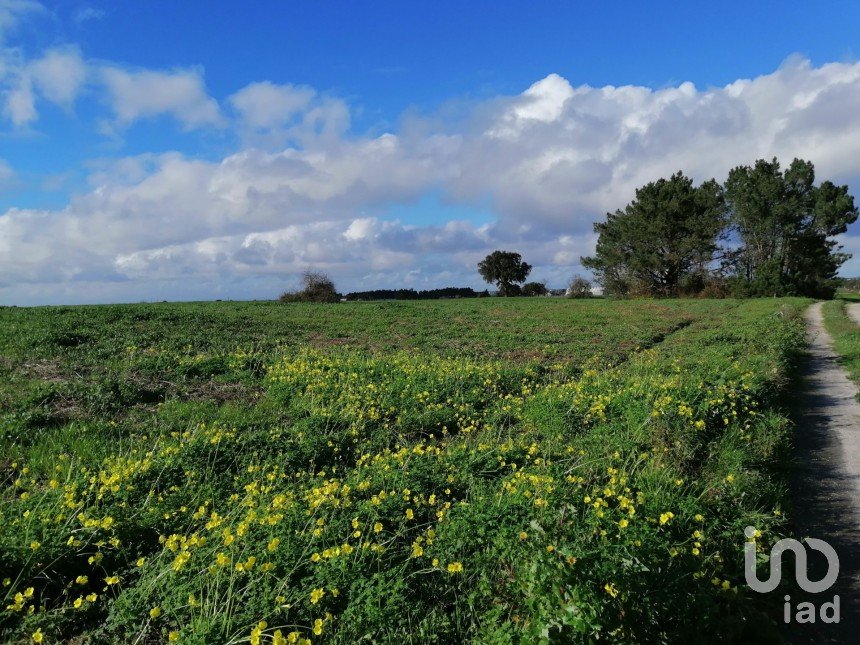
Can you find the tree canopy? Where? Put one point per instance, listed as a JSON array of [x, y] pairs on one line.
[[775, 227], [506, 270], [662, 241], [781, 222]]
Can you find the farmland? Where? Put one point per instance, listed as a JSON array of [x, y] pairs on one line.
[[488, 470]]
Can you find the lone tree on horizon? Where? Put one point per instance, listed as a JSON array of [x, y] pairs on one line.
[[506, 270]]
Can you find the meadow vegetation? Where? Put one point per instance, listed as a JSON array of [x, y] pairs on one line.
[[488, 470], [844, 331]]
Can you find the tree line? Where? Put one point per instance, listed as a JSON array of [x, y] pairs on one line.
[[412, 294], [318, 287], [764, 232]]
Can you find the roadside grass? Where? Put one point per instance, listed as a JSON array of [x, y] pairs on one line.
[[490, 471], [845, 333]]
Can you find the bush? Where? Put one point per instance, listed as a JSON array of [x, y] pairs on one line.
[[716, 288], [318, 287], [534, 289], [579, 287]]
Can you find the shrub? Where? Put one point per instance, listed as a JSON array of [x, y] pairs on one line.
[[716, 288], [579, 287], [534, 289], [318, 287]]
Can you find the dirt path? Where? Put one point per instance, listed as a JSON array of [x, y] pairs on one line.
[[826, 480], [836, 396]]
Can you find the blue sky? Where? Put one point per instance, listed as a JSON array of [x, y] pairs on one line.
[[216, 149]]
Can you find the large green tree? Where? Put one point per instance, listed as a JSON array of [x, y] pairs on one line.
[[663, 241], [782, 224], [505, 269]]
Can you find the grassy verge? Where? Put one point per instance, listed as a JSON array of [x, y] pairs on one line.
[[400, 493], [845, 333]]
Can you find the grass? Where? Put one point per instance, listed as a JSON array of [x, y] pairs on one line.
[[506, 471], [845, 333]]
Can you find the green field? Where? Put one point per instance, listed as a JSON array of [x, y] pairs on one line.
[[488, 470]]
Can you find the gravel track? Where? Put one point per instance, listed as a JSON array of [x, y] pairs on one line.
[[826, 479]]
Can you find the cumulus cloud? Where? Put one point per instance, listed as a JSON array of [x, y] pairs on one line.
[[273, 117], [59, 75], [308, 192], [361, 250], [557, 152], [13, 11], [16, 86], [267, 105], [7, 175], [20, 105], [134, 95]]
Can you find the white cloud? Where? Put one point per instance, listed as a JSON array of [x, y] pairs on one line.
[[274, 117], [13, 11], [346, 250], [267, 105], [560, 156], [59, 75], [134, 95], [543, 102], [7, 174], [16, 87], [548, 162], [85, 14], [20, 105]]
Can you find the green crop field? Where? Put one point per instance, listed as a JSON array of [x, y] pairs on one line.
[[488, 470]]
